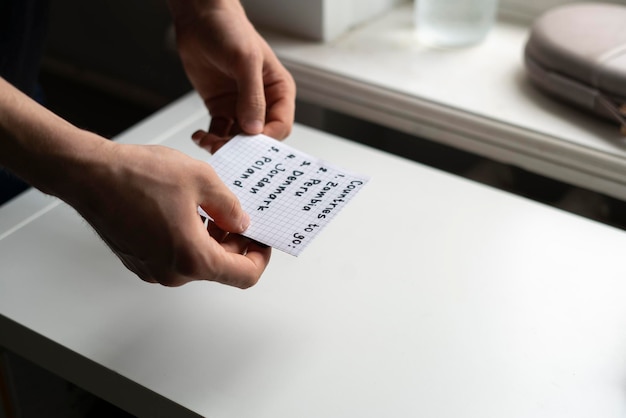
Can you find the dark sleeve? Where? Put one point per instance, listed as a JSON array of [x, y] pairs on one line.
[[23, 25]]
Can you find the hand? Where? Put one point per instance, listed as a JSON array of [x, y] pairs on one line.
[[242, 82], [142, 201]]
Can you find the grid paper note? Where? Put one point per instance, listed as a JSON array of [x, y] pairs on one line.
[[289, 195]]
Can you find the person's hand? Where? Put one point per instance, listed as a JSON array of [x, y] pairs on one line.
[[243, 84], [142, 201]]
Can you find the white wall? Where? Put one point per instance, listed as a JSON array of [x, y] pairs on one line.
[[320, 20]]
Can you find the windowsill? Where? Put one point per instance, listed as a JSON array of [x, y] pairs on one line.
[[477, 99]]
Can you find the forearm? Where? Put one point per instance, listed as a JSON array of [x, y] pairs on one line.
[[40, 147]]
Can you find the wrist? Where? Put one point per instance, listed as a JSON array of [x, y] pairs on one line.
[[43, 149], [72, 169]]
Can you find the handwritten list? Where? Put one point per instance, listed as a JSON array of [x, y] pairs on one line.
[[289, 195]]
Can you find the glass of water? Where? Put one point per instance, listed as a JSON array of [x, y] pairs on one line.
[[454, 23]]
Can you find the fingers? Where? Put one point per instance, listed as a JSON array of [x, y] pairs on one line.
[[244, 262], [209, 141], [251, 95], [235, 261], [217, 233], [278, 122], [205, 254], [281, 103], [221, 126], [220, 203], [280, 119]]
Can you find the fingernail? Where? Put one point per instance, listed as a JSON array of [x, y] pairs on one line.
[[245, 222], [253, 126]]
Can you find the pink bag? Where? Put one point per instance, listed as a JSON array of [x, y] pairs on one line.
[[578, 53]]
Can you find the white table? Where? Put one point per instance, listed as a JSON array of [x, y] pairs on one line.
[[477, 99], [429, 295]]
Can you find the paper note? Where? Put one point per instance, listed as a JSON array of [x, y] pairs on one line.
[[289, 195]]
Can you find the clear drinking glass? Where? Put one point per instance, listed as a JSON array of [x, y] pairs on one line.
[[454, 23]]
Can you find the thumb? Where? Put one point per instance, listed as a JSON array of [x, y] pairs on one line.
[[251, 99], [223, 206]]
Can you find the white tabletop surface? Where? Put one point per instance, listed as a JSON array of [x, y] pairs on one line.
[[478, 99], [428, 295]]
